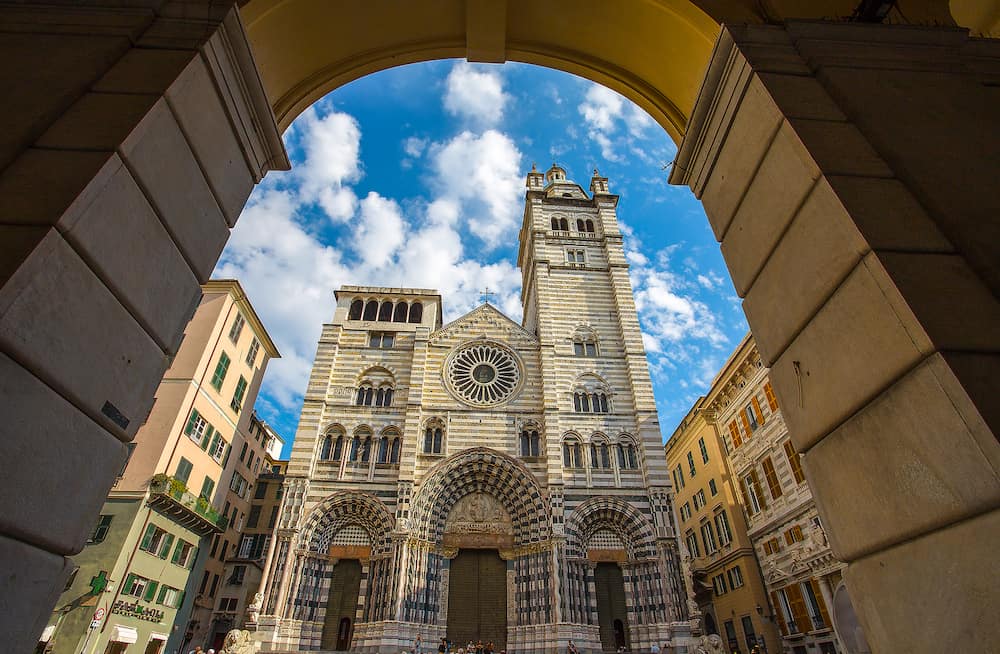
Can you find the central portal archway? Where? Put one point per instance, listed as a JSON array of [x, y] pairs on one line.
[[477, 598]]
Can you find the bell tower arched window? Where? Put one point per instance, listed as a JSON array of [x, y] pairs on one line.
[[357, 307], [416, 312], [371, 310], [326, 452], [399, 313], [365, 395], [385, 312], [627, 459]]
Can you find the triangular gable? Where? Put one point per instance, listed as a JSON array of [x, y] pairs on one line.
[[483, 319]]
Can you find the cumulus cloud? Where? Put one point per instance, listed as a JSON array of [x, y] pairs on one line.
[[474, 92], [380, 230], [617, 126], [332, 147]]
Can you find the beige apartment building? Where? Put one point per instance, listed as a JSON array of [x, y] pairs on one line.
[[725, 576], [260, 458], [804, 580], [135, 576]]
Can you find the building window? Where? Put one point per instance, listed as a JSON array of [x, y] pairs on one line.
[[685, 512], [793, 535], [254, 516], [237, 328], [184, 554], [560, 225], [221, 369], [772, 401], [394, 449], [241, 388], [600, 455], [584, 347], [237, 576], [699, 499], [751, 493], [692, 543], [719, 584], [169, 596], [399, 313], [156, 541], [382, 453], [530, 443], [385, 312], [712, 488], [354, 313], [734, 431], [627, 459], [680, 477], [238, 485], [101, 530], [214, 587], [218, 447], [771, 477], [207, 486], [365, 395], [708, 537], [590, 402], [433, 440], [137, 586], [371, 310], [691, 464], [196, 427], [735, 577], [772, 546], [572, 453], [183, 472], [704, 450], [260, 492], [576, 257], [228, 604], [416, 313], [274, 517], [383, 396], [382, 340], [817, 607], [751, 416], [722, 528], [795, 462]]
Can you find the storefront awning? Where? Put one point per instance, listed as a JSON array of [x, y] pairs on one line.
[[47, 634], [122, 634]]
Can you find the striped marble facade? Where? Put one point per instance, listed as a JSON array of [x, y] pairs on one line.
[[560, 516]]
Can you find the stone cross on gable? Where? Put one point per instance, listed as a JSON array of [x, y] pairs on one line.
[[485, 296]]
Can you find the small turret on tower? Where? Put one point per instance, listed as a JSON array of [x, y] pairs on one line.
[[598, 184], [536, 181], [555, 174]]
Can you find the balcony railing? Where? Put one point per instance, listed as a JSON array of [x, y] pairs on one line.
[[172, 497]]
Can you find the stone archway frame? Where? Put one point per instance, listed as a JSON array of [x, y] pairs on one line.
[[635, 530], [483, 470], [350, 508]]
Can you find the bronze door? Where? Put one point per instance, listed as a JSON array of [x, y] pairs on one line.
[[611, 613], [341, 605], [477, 599]]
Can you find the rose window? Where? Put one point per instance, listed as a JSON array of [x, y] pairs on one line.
[[483, 374]]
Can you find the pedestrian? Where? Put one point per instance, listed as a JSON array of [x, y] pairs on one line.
[[571, 648], [418, 645], [196, 650], [442, 646], [654, 649]]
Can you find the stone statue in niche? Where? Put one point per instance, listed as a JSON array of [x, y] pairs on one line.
[[478, 512]]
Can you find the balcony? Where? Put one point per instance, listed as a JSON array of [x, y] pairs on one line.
[[171, 497]]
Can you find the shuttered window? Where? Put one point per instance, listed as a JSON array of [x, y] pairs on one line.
[[772, 401], [735, 432], [772, 478], [795, 461], [221, 369]]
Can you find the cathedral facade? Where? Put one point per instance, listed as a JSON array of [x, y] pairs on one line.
[[484, 479]]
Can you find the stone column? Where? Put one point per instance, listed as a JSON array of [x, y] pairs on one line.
[[132, 139], [849, 172]]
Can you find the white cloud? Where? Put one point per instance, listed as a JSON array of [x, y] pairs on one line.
[[605, 113], [475, 93], [601, 108], [414, 146], [379, 232], [332, 146], [482, 174]]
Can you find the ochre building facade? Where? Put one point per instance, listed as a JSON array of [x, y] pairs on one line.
[[484, 479]]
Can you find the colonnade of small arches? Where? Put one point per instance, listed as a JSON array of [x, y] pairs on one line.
[[386, 310], [583, 226], [362, 446], [604, 454], [591, 394]]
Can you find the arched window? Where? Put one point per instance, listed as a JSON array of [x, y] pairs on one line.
[[433, 437], [394, 451], [355, 447], [365, 395], [626, 456], [535, 444], [600, 455], [356, 308], [366, 450], [564, 224], [399, 314], [383, 396], [326, 451], [580, 226], [530, 445], [555, 224], [338, 448], [590, 226], [371, 310], [604, 402], [572, 453], [416, 312], [584, 347], [385, 312], [383, 451]]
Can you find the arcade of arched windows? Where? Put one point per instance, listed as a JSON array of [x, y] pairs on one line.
[[386, 310], [529, 442], [583, 225], [590, 402], [604, 454], [434, 433], [362, 446], [585, 342], [367, 395]]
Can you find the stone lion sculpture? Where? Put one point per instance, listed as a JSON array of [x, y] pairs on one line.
[[711, 644], [238, 641]]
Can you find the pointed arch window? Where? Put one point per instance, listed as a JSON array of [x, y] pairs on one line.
[[326, 452], [530, 443], [355, 449], [371, 310], [416, 312], [357, 307], [626, 456], [433, 440], [572, 453], [365, 395], [399, 313], [600, 455], [383, 451]]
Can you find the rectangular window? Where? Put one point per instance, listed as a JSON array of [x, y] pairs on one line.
[[751, 417], [252, 352], [237, 328], [692, 543], [153, 540], [772, 401], [591, 349], [719, 584], [238, 485], [183, 554], [228, 604], [793, 535], [817, 606], [771, 476], [772, 546], [215, 586], [722, 527], [701, 498], [704, 450], [734, 431], [575, 256], [207, 487], [135, 585], [254, 516], [274, 517], [578, 349], [708, 537], [221, 369], [691, 464], [260, 492], [101, 530], [712, 488], [795, 461], [241, 388], [752, 493], [685, 512], [183, 472], [236, 578], [222, 550], [680, 475], [382, 340], [169, 597], [196, 426], [748, 632], [797, 606], [735, 577]]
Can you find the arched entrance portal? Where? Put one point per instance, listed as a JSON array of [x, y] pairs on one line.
[[854, 243]]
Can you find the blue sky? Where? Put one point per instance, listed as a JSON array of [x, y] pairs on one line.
[[415, 177]]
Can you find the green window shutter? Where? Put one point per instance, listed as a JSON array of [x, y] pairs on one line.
[[165, 548], [220, 371], [148, 536], [184, 468], [207, 487], [150, 591], [180, 599], [207, 438], [215, 443], [190, 424], [177, 551], [225, 458], [163, 593], [128, 584], [192, 558]]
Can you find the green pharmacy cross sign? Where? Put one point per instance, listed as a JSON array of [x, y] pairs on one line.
[[99, 583]]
